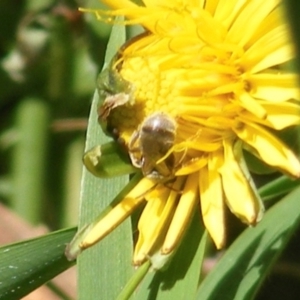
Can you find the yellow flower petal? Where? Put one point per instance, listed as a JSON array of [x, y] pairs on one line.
[[270, 150], [211, 200], [270, 50], [158, 212], [118, 213], [252, 105], [241, 198], [226, 11], [192, 166], [240, 32], [279, 115], [274, 88], [183, 213]]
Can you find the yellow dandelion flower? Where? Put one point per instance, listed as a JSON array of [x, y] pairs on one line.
[[206, 81]]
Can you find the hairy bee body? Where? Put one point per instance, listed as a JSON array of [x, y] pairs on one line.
[[151, 143]]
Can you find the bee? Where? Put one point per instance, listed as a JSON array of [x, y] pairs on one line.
[[150, 143]]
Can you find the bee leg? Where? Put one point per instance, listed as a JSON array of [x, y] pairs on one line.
[[132, 149], [168, 184], [181, 158]]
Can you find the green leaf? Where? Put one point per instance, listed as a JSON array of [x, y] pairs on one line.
[[278, 187], [27, 265], [180, 279], [108, 160], [104, 269], [246, 263]]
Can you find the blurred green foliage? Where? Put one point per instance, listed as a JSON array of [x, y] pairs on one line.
[[49, 59]]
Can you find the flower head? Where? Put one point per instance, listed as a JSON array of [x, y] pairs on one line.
[[215, 70]]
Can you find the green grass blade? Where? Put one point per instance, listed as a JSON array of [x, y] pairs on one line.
[[27, 265], [246, 263], [278, 187], [104, 269]]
